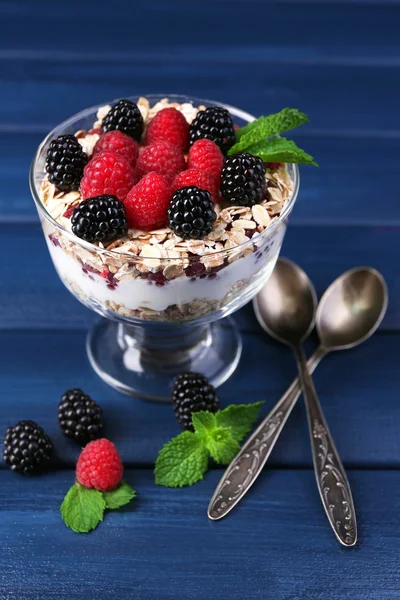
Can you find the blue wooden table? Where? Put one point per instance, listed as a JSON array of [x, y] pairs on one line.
[[340, 63]]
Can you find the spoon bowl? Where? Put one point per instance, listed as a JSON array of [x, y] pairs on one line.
[[351, 309]]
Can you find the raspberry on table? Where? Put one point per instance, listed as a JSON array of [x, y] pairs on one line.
[[124, 116], [147, 202], [65, 161], [215, 124], [191, 213], [205, 155], [161, 157], [169, 125], [99, 466], [120, 143], [200, 179], [80, 418], [100, 219], [107, 173], [191, 392], [27, 448], [243, 179]]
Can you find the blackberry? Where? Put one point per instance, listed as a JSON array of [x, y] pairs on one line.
[[126, 117], [215, 124], [191, 213], [100, 219], [191, 393], [80, 418], [65, 161], [243, 179], [27, 448]]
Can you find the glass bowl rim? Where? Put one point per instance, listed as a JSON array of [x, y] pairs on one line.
[[132, 257]]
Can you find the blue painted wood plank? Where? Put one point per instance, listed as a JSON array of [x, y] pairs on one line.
[[341, 191], [335, 98], [277, 543], [359, 391], [32, 296]]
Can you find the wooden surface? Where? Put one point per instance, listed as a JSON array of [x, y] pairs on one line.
[[340, 63]]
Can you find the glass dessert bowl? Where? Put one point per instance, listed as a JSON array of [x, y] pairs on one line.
[[164, 297]]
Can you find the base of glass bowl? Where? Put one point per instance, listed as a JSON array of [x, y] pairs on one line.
[[142, 361]]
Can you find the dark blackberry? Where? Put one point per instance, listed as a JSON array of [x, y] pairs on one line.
[[243, 179], [65, 161], [126, 117], [191, 213], [100, 219], [191, 393], [80, 418], [27, 448], [214, 123]]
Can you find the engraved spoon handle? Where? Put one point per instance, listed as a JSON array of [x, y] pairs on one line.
[[331, 478], [250, 460]]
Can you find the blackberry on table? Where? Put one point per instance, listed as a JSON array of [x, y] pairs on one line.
[[215, 124], [80, 418], [27, 448], [243, 179], [191, 213], [124, 116], [65, 161], [100, 219], [191, 393]]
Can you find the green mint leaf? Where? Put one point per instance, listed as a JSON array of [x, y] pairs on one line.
[[238, 418], [120, 496], [183, 461], [265, 127], [204, 422], [82, 509], [222, 446], [281, 150]]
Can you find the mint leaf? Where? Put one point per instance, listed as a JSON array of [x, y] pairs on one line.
[[120, 496], [183, 461], [281, 150], [203, 422], [82, 509], [222, 446], [238, 419], [265, 127]]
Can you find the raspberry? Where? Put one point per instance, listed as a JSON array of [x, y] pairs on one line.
[[119, 143], [99, 466], [162, 158], [205, 155], [169, 125], [147, 202], [200, 179], [107, 173]]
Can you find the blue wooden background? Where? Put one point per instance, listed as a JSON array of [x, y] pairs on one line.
[[340, 63]]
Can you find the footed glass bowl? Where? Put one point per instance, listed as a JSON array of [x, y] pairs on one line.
[[162, 314]]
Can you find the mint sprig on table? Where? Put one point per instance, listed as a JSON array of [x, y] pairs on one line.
[[83, 508], [184, 460], [259, 138]]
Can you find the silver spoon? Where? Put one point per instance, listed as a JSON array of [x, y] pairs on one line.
[[349, 312]]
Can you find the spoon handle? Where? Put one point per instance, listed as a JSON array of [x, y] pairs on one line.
[[250, 460], [331, 478]]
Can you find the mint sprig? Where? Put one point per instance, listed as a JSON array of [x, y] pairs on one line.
[[83, 509], [259, 138], [184, 460]]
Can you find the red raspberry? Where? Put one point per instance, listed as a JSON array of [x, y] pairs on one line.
[[162, 158], [169, 125], [107, 173], [120, 143], [146, 204], [204, 155], [99, 466], [201, 179]]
